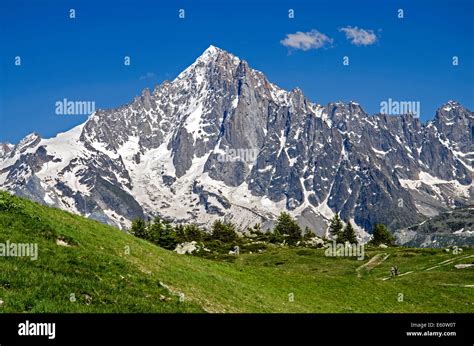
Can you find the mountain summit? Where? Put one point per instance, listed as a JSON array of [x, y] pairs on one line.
[[221, 141]]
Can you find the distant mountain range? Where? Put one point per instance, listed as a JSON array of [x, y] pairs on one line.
[[451, 228], [221, 141]]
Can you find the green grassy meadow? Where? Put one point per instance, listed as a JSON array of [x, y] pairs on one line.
[[85, 266]]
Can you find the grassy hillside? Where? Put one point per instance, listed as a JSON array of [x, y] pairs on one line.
[[103, 276]]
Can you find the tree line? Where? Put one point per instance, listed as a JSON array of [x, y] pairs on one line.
[[342, 234], [223, 236]]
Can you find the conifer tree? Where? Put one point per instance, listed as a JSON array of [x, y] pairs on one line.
[[286, 225], [349, 234], [139, 229], [224, 231], [336, 228], [381, 235]]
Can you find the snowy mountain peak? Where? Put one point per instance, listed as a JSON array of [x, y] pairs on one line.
[[221, 141], [212, 60], [29, 141], [5, 149], [212, 50], [452, 113], [213, 54], [452, 103], [29, 138], [450, 106]]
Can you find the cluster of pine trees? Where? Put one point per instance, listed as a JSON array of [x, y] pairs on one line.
[[224, 236], [168, 236], [342, 234]]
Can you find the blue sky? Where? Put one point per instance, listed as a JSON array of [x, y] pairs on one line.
[[82, 58]]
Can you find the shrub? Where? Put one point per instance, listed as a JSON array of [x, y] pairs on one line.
[[308, 234], [258, 235], [9, 202], [276, 237], [253, 247]]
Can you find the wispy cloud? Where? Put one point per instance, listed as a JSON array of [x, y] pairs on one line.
[[359, 37], [148, 75], [306, 40]]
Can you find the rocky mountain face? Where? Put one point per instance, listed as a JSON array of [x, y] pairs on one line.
[[451, 228], [221, 141]]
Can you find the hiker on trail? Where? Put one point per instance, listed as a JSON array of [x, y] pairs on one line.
[[394, 271]]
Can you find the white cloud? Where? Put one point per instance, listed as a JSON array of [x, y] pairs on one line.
[[306, 40], [360, 37]]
